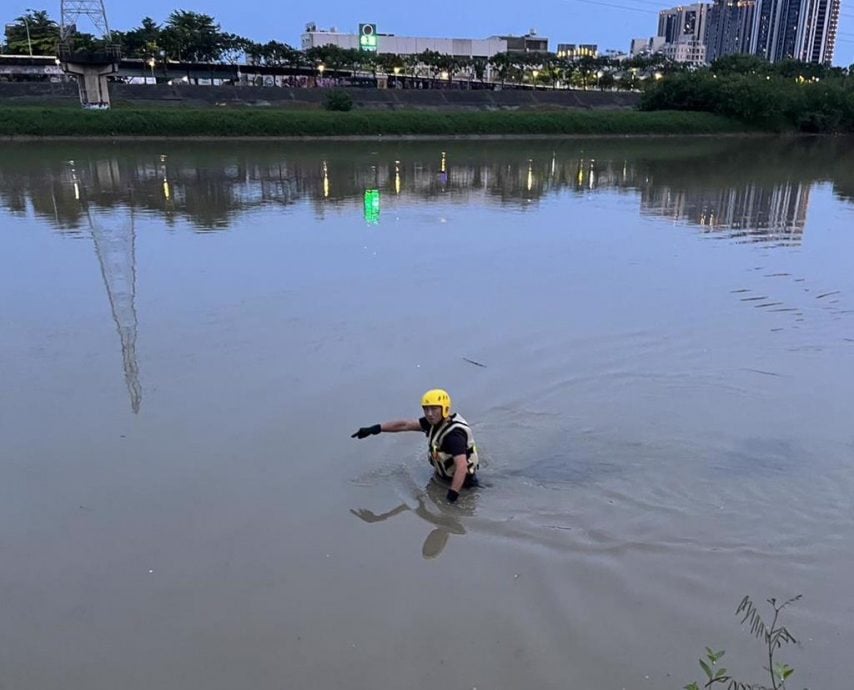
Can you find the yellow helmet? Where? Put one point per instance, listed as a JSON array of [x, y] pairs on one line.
[[439, 398]]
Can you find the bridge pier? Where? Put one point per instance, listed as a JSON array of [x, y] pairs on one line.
[[91, 70], [92, 83]]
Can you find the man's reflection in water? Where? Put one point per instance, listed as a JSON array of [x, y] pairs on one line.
[[443, 515]]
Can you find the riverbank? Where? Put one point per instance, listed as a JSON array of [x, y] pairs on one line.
[[63, 122], [48, 95]]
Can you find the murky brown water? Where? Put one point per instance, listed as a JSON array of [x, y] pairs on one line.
[[189, 334]]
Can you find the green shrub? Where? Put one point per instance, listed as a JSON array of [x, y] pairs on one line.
[[339, 101], [771, 102]]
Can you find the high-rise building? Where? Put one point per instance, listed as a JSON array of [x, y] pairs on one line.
[[668, 21], [683, 24], [730, 28], [774, 29], [683, 32], [816, 38]]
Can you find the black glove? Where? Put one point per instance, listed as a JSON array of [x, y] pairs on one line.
[[452, 495], [366, 431]]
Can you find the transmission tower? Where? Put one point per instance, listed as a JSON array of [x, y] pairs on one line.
[[117, 257], [73, 10], [90, 67], [115, 247]]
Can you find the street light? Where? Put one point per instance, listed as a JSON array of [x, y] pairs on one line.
[[29, 41], [27, 25]]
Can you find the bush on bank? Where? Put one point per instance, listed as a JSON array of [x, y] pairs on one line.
[[767, 101], [22, 121], [339, 101]]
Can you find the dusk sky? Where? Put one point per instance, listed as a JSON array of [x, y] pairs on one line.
[[609, 23]]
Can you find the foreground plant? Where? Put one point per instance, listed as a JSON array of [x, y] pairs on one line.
[[774, 636]]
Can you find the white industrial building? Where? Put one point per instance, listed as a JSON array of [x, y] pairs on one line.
[[414, 45]]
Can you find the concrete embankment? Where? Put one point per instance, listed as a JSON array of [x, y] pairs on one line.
[[139, 95]]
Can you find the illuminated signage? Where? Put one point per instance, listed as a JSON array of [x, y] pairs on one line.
[[368, 37], [372, 206]]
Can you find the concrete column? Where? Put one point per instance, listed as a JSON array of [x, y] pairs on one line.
[[92, 82]]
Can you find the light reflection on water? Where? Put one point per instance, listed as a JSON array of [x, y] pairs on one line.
[[664, 421], [741, 188]]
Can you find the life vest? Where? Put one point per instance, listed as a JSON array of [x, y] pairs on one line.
[[443, 463]]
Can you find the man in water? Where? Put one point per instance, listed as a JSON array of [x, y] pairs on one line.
[[450, 443]]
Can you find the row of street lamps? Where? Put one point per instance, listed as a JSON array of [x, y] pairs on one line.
[[444, 74], [151, 62]]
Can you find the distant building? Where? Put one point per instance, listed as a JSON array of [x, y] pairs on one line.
[[615, 54], [731, 26], [816, 40], [774, 29], [685, 23], [529, 43], [647, 46], [682, 34], [693, 53], [574, 51], [382, 43]]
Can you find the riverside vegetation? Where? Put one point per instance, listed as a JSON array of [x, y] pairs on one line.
[[186, 122], [773, 635], [788, 96]]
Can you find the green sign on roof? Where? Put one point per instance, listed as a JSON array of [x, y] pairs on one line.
[[368, 37]]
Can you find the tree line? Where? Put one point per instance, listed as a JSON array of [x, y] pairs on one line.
[[196, 37], [185, 36], [785, 96]]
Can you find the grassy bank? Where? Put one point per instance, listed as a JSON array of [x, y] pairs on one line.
[[175, 122]]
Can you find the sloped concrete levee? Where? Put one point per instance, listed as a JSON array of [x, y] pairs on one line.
[[41, 93]]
